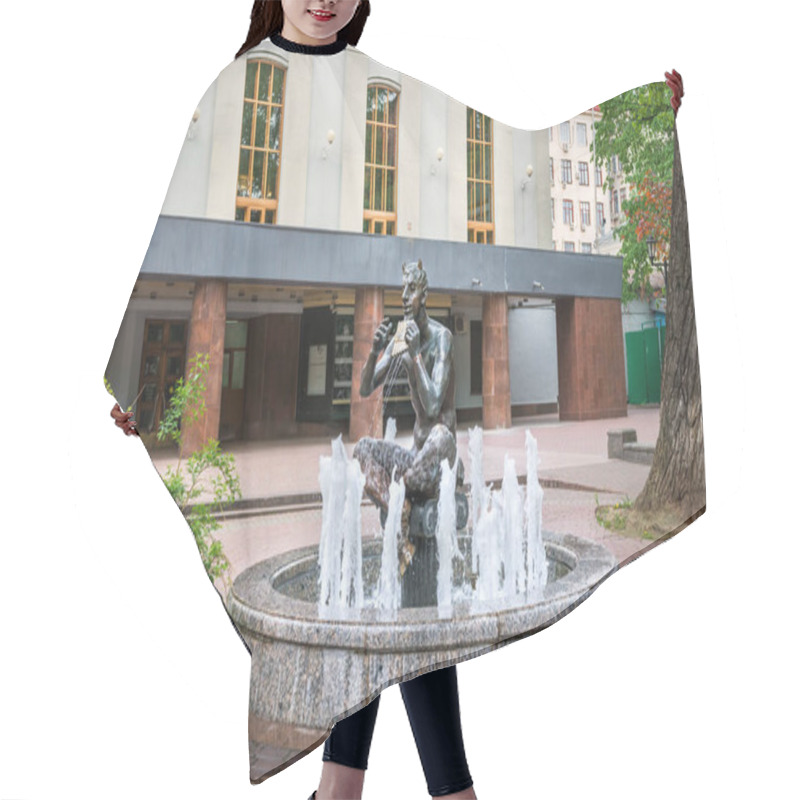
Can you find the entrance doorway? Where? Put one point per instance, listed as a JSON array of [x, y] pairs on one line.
[[163, 359], [315, 375]]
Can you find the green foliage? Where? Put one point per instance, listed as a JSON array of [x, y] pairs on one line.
[[638, 128], [187, 402], [208, 473], [613, 518]]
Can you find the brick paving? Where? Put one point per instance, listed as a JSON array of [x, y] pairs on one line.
[[571, 454]]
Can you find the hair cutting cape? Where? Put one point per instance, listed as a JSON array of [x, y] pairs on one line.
[[557, 358]]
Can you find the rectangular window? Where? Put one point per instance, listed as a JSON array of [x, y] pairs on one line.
[[586, 247], [600, 216], [566, 170], [580, 133], [480, 211], [598, 175], [553, 210], [380, 161], [552, 174], [563, 133], [569, 247], [583, 173], [567, 212], [615, 203], [586, 214], [260, 143]]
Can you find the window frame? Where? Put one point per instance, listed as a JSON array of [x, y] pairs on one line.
[[247, 206], [384, 217], [480, 231]]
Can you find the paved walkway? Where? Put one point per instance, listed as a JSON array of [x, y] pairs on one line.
[[571, 454]]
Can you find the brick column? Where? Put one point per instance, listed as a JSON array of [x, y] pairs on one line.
[[207, 335], [366, 417], [591, 361], [496, 381]]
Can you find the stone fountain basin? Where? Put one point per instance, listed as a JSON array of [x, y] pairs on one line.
[[308, 672]]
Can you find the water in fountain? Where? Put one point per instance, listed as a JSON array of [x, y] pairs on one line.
[[387, 599], [513, 532], [507, 538], [486, 542], [342, 483], [478, 491], [508, 553], [446, 543], [536, 558], [391, 429]]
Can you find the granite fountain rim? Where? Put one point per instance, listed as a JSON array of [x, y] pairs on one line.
[[262, 611]]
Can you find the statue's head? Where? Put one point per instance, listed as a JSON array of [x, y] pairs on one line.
[[415, 288]]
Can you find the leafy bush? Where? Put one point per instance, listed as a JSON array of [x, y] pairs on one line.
[[206, 471]]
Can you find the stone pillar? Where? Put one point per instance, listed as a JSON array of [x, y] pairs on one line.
[[496, 380], [591, 360], [366, 416], [207, 335]]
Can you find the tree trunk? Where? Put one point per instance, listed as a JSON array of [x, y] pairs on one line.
[[676, 485]]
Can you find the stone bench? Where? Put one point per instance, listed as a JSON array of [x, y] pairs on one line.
[[622, 445]]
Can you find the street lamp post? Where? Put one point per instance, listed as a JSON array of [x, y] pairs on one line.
[[662, 266]]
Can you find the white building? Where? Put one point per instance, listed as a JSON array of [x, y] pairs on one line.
[[303, 184]]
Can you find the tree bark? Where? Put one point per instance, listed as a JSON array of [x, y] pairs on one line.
[[676, 485]]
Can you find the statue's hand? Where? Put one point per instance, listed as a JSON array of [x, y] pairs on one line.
[[412, 338], [381, 336]]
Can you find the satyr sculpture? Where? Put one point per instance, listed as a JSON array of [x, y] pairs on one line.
[[425, 350]]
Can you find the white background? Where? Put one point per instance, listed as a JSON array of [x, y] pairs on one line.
[[120, 674]]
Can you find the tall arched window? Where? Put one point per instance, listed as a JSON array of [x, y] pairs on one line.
[[260, 144], [480, 212], [380, 161]]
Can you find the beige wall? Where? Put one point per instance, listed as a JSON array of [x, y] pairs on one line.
[[321, 185]]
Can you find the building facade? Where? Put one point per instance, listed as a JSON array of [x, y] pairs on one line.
[[303, 184]]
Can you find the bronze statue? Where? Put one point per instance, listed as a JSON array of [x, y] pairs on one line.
[[425, 350]]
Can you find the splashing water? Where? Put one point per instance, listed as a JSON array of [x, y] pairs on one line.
[[508, 552], [340, 575], [479, 493], [536, 558], [387, 599], [446, 542], [513, 532]]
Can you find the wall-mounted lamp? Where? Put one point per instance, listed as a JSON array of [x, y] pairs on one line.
[[191, 133], [331, 137], [529, 173], [439, 157]]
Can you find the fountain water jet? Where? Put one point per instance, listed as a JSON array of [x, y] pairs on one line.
[[388, 596], [341, 584]]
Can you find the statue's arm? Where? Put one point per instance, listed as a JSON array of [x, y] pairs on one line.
[[432, 388], [374, 371]]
